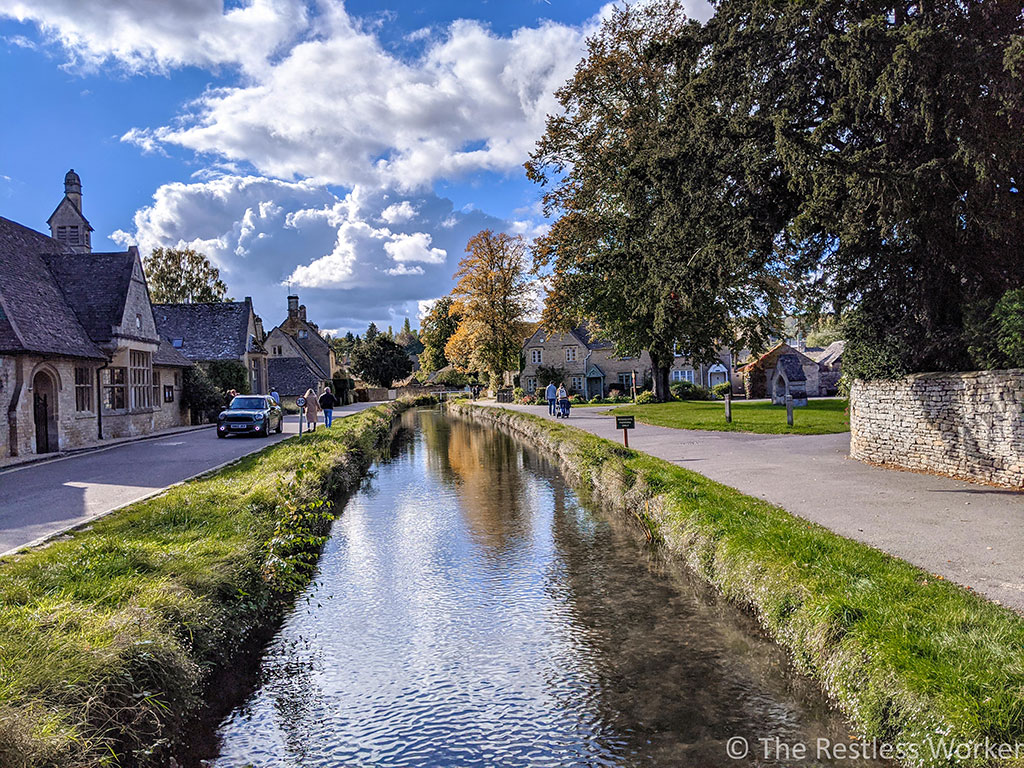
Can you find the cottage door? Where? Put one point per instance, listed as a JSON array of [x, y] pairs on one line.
[[41, 412]]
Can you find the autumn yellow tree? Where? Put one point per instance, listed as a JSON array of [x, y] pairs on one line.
[[492, 296]]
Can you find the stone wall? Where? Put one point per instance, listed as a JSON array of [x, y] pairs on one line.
[[968, 425]]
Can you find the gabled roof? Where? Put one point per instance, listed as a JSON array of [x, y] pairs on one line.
[[769, 358], [314, 366], [213, 331], [34, 314], [75, 208], [832, 354], [291, 376], [95, 285], [581, 333], [790, 365]]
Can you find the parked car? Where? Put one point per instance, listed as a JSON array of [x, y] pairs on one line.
[[250, 414]]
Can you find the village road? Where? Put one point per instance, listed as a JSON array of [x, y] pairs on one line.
[[971, 534], [39, 500]]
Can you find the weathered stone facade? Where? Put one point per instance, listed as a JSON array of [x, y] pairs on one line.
[[968, 425]]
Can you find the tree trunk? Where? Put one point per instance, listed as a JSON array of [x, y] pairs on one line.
[[659, 375]]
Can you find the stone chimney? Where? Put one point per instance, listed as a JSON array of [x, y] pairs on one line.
[[293, 307], [302, 313]]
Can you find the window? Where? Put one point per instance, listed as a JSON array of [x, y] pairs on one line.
[[570, 354], [156, 389], [138, 322], [680, 375], [536, 356], [626, 380], [277, 350], [113, 388], [576, 383], [176, 343], [303, 334], [141, 379], [168, 393], [83, 389], [69, 235], [531, 385]]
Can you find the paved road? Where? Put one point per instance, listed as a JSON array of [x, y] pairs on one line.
[[39, 500], [971, 534]]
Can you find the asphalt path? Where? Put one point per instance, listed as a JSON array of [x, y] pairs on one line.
[[969, 533], [40, 500]]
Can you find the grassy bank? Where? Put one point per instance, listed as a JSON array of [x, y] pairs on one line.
[[818, 417], [913, 660], [106, 638]]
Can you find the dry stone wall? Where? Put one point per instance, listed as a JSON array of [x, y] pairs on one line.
[[968, 425]]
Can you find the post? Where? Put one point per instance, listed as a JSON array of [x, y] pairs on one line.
[[789, 409], [625, 438], [728, 407]]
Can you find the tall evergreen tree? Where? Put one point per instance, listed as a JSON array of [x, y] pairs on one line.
[[437, 327]]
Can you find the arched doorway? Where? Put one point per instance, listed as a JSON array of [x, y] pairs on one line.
[[44, 411]]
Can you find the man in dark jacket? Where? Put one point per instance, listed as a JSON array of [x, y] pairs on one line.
[[327, 402]]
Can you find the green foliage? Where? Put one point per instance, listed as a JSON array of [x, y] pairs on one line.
[[452, 378], [379, 361], [199, 394], [518, 393], [646, 397], [687, 390], [721, 390], [227, 375], [999, 341], [182, 276], [438, 327], [877, 346], [551, 374]]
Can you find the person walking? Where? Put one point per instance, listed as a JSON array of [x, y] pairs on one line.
[[551, 393], [312, 407], [273, 394], [563, 401], [327, 404]]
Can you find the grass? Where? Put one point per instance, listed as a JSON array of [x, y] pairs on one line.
[[106, 638], [818, 417], [912, 659]]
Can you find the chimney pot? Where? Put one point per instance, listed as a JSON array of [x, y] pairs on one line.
[[302, 312]]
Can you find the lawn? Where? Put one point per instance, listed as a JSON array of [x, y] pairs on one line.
[[818, 417]]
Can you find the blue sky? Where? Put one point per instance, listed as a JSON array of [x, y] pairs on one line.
[[349, 150]]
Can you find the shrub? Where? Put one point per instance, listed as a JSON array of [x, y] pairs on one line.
[[596, 399], [721, 390], [528, 400], [687, 390], [518, 394], [646, 397], [577, 399]]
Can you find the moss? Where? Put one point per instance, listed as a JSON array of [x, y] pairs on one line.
[[107, 638], [909, 657]]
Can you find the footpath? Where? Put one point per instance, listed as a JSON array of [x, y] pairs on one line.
[[970, 534]]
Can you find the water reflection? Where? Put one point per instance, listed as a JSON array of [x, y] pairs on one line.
[[470, 611]]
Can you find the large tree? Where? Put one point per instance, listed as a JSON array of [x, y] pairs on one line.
[[380, 361], [662, 240], [183, 276], [492, 294], [437, 327], [899, 124]]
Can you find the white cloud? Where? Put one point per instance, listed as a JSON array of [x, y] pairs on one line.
[[414, 247], [398, 212]]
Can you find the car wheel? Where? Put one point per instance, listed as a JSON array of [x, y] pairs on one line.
[[221, 435], [280, 425]]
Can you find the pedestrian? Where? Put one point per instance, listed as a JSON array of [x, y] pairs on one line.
[[273, 394], [551, 393], [563, 401], [232, 394], [327, 404], [312, 407]]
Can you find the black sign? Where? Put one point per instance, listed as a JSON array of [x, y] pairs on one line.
[[625, 422]]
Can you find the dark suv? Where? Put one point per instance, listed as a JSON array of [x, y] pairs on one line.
[[255, 414]]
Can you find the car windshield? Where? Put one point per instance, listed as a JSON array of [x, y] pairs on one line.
[[248, 403]]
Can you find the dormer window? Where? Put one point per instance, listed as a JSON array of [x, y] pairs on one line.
[[176, 343], [303, 334]]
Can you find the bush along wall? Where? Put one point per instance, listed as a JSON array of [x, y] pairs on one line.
[[108, 638], [912, 660]]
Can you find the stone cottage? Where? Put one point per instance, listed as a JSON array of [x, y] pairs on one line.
[[770, 374], [592, 366], [215, 332], [300, 357], [80, 356]]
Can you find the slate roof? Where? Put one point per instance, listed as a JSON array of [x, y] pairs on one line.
[[832, 354], [291, 376], [214, 331], [769, 358], [790, 364], [167, 355], [581, 333], [95, 285], [34, 314]]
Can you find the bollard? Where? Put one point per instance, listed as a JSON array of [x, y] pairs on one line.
[[728, 407], [789, 410]]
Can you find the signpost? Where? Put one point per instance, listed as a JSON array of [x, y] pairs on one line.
[[728, 407], [301, 402], [625, 423]]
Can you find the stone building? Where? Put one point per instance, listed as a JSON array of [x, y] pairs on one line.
[[80, 356], [218, 332], [770, 374], [593, 368], [300, 357]]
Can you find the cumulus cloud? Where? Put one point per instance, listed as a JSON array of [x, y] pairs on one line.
[[414, 247], [398, 212]]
